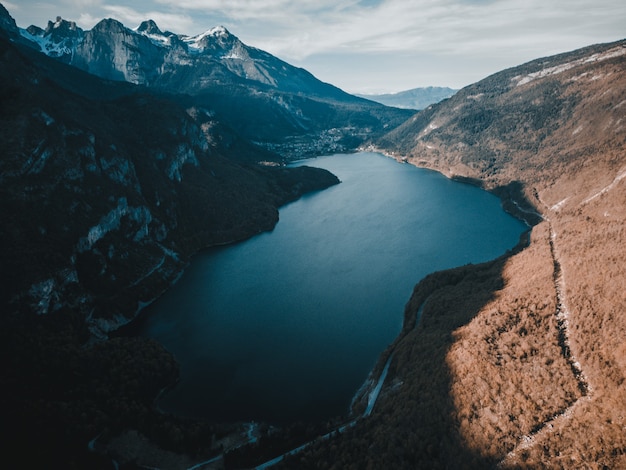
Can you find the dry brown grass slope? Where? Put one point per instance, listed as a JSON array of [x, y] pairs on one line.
[[537, 376], [520, 362]]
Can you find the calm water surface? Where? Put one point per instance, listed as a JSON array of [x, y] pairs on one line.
[[287, 325]]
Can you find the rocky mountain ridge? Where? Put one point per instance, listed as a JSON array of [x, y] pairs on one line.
[[146, 55], [284, 108]]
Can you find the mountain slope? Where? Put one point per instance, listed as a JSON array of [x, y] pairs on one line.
[[105, 200], [282, 107], [514, 119], [105, 194], [517, 363]]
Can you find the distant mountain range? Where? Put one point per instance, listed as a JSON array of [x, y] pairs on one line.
[[417, 98]]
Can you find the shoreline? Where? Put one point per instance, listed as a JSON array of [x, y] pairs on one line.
[[505, 197], [375, 381], [382, 365]]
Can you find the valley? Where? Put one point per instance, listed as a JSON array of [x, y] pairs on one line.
[[125, 152]]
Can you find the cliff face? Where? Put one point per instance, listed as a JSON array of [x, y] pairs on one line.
[[518, 363]]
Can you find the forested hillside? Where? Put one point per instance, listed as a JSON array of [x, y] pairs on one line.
[[106, 191]]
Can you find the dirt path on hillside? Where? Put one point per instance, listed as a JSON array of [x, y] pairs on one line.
[[562, 313]]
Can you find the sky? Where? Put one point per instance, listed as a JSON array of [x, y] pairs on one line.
[[370, 46]]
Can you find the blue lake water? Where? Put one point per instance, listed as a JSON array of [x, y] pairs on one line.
[[286, 326]]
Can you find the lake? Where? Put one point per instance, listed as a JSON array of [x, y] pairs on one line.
[[287, 325]]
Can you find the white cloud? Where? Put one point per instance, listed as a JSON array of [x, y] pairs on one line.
[[433, 36], [87, 21], [178, 23], [450, 27], [81, 4], [261, 10], [298, 29]]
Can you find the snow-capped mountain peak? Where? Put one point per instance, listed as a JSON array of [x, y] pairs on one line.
[[210, 40], [147, 55], [59, 39], [218, 31]]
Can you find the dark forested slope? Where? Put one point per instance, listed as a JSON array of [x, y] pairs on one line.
[[105, 200], [105, 193]]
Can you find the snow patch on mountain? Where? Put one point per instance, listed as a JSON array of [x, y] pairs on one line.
[[560, 68], [233, 55], [198, 44], [59, 39], [159, 39], [47, 45]]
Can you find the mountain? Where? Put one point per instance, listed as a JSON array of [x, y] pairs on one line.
[[283, 108], [110, 179], [106, 200], [520, 362], [106, 191], [417, 98]]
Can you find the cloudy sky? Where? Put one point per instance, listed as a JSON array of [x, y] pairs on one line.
[[370, 46]]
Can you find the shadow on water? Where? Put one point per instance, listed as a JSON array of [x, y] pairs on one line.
[[414, 423]]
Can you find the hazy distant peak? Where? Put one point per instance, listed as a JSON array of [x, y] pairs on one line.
[[416, 98]]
